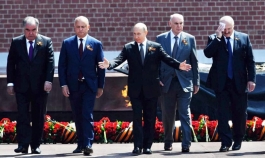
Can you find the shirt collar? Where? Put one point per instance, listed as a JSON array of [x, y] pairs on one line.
[[84, 38], [172, 35], [144, 42], [29, 40]]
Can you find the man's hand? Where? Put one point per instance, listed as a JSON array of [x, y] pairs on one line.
[[161, 83], [196, 89], [47, 86], [65, 91], [184, 66], [219, 30], [99, 92], [10, 90], [251, 86], [104, 64]]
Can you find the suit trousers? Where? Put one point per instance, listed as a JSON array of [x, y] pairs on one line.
[[234, 103], [26, 133], [175, 99], [82, 104], [144, 108]]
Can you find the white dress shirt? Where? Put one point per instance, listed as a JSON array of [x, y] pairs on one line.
[[232, 37], [84, 42], [144, 46], [172, 39]]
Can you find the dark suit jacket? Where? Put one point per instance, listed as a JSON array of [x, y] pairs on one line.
[[186, 51], [145, 76], [27, 74], [70, 64], [243, 62]]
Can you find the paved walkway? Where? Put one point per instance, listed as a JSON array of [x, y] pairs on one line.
[[198, 150]]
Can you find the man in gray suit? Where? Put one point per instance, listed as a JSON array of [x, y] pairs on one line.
[[177, 85]]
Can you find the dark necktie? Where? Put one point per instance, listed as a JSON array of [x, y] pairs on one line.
[[230, 59], [31, 51], [142, 53], [175, 47], [81, 47], [80, 75]]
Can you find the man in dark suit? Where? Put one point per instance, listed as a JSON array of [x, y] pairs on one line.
[[82, 80], [231, 76], [177, 86], [30, 69], [143, 58]]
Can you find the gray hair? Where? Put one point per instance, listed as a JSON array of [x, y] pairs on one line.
[[30, 20], [141, 26], [177, 16], [83, 19], [227, 19]]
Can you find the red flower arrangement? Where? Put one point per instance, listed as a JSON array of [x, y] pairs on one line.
[[106, 131], [254, 129], [159, 131], [7, 130]]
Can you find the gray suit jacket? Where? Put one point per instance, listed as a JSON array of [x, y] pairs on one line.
[[186, 51]]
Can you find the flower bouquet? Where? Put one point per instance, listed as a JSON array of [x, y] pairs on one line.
[[7, 131]]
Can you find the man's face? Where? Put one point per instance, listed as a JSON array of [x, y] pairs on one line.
[[139, 34], [81, 28], [176, 24], [31, 32], [228, 30]]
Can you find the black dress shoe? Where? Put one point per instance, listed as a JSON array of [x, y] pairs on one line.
[[35, 151], [79, 149], [224, 148], [168, 148], [185, 149], [137, 151], [88, 150], [236, 146], [21, 149], [147, 151]]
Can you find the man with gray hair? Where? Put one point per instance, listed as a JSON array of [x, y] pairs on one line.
[[143, 58], [178, 86], [231, 76], [30, 69]]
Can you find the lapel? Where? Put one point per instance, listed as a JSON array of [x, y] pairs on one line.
[[24, 50], [236, 41], [167, 44], [181, 44], [224, 43], [75, 47], [88, 47], [149, 51], [137, 51], [38, 43]]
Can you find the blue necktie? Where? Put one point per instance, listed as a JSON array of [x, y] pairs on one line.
[[31, 50], [175, 47], [230, 59]]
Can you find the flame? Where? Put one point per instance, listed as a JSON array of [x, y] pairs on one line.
[[124, 95]]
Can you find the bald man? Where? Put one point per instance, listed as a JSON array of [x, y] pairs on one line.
[[231, 76], [81, 79], [143, 58]]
